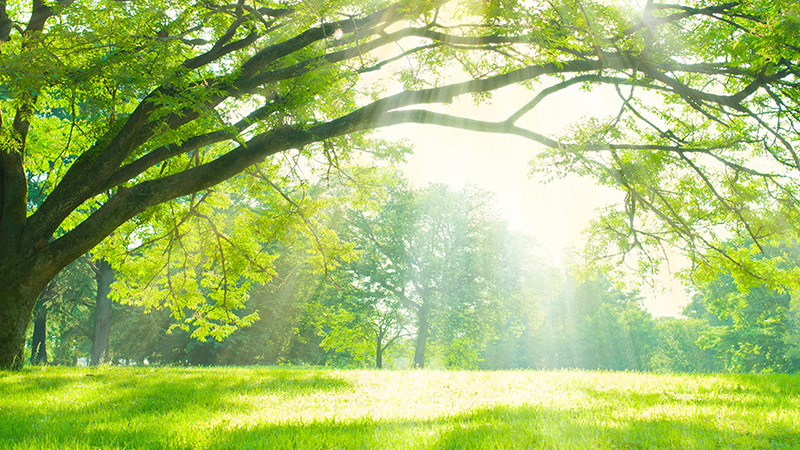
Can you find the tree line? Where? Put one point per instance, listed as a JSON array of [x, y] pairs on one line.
[[420, 277]]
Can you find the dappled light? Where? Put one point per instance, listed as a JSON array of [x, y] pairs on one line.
[[302, 408], [399, 224]]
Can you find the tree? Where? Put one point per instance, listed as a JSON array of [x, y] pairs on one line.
[[751, 329], [61, 314], [592, 324], [104, 275], [677, 348], [356, 320], [39, 338], [524, 282], [126, 109], [429, 254]]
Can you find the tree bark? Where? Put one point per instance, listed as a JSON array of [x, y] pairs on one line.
[[18, 296], [379, 349], [39, 340], [102, 314], [21, 285], [423, 330]]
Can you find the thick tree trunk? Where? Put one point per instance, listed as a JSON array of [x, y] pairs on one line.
[[21, 283], [423, 329], [102, 314], [39, 340], [18, 295]]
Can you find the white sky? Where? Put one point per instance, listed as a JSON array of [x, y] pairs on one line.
[[554, 213]]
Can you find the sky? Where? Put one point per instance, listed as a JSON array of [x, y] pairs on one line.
[[553, 213]]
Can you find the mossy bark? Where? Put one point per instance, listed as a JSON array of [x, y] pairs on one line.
[[16, 312]]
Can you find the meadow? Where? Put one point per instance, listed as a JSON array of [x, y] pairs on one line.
[[312, 408]]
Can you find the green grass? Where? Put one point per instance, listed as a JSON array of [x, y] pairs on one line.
[[241, 408]]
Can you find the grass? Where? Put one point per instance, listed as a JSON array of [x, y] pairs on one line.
[[283, 408]]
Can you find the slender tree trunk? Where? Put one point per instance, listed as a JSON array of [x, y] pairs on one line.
[[379, 349], [423, 329], [102, 314], [39, 340]]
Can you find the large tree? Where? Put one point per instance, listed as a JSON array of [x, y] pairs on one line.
[[121, 107]]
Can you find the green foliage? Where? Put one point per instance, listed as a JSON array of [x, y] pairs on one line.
[[677, 347], [68, 305], [594, 325], [752, 330], [702, 146]]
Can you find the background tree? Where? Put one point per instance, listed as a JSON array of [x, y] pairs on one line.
[[158, 102], [439, 260], [677, 347], [62, 315], [751, 330], [104, 276]]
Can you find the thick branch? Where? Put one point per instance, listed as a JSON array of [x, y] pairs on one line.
[[94, 167], [161, 154], [153, 192], [303, 40], [222, 47], [13, 199], [695, 98], [422, 116]]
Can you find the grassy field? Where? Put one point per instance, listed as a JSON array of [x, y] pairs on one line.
[[276, 408]]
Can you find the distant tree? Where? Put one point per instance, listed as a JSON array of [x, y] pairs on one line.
[[594, 325], [424, 260], [62, 314], [524, 282], [677, 347], [39, 338], [615, 332], [351, 319], [753, 328], [104, 276]]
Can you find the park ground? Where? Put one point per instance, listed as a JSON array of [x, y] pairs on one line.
[[314, 408]]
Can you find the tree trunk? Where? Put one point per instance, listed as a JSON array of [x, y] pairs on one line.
[[102, 314], [18, 296], [422, 336], [379, 350], [39, 341]]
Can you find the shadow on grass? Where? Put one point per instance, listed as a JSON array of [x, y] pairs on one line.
[[504, 428], [134, 407]]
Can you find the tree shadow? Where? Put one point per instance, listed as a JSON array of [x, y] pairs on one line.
[[528, 427], [136, 408], [106, 408]]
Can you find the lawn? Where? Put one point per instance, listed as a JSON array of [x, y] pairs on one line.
[[241, 408]]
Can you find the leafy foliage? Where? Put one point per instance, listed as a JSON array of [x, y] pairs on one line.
[[123, 118]]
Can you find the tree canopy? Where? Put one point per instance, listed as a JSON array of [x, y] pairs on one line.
[[126, 115]]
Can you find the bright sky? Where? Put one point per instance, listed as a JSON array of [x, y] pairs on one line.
[[554, 213]]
